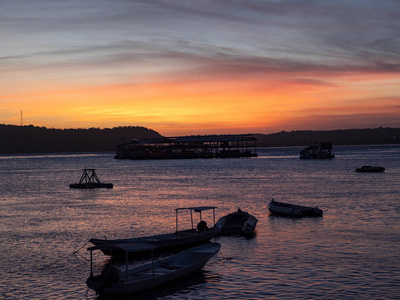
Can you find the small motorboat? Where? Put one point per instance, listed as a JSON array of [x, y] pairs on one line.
[[237, 223], [128, 279], [323, 151], [90, 180], [293, 210], [373, 169], [168, 241]]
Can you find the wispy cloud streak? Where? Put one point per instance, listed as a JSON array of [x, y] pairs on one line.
[[333, 45]]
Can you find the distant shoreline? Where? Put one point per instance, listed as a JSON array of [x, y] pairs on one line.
[[112, 152], [376, 136], [23, 140]]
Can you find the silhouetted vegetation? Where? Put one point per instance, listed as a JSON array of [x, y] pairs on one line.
[[32, 139], [337, 137]]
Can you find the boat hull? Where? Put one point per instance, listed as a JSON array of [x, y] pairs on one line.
[[237, 223], [180, 239], [370, 169], [294, 211], [154, 274]]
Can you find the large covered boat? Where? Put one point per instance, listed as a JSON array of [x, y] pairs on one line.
[[293, 210], [177, 239], [200, 146]]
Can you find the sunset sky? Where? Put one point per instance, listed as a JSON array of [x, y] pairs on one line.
[[185, 67]]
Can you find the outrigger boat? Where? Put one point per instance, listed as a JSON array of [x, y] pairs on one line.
[[128, 279], [179, 238], [89, 180], [237, 223], [293, 210]]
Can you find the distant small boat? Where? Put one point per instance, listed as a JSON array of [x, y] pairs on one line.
[[127, 279], [374, 169], [237, 223], [323, 151], [293, 210], [89, 180]]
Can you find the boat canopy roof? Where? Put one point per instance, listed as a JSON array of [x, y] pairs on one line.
[[197, 208], [197, 139], [127, 247], [213, 138]]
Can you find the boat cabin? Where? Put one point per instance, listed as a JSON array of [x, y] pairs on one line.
[[200, 146]]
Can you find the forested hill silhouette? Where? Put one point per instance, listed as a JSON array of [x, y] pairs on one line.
[[32, 139], [337, 137]]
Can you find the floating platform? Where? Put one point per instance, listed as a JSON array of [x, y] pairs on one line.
[[200, 146], [89, 180]]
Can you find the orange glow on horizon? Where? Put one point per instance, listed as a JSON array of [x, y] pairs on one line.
[[235, 105]]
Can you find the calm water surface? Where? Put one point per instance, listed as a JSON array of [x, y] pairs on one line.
[[353, 252]]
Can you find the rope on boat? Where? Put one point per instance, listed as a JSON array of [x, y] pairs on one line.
[[223, 257], [75, 253]]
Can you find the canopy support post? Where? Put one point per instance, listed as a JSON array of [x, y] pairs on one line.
[[176, 220], [91, 263], [214, 215], [191, 218], [152, 260], [126, 265]]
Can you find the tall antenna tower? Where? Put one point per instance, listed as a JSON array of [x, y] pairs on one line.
[[22, 120]]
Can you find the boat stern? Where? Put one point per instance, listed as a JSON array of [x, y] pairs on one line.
[[95, 283]]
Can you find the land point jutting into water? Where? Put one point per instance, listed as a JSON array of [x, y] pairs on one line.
[[201, 146]]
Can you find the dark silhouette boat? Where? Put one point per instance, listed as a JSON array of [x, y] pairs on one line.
[[169, 241], [128, 279], [293, 210], [190, 147], [237, 223], [372, 169], [323, 151], [89, 180]]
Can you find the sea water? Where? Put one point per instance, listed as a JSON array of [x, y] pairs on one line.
[[353, 252]]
